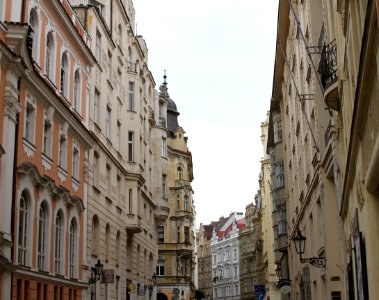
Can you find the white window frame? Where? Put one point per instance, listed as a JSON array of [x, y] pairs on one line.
[[75, 161], [42, 236], [131, 96], [164, 186], [77, 91], [130, 146], [73, 240], [62, 155], [23, 229], [47, 137], [64, 73], [164, 147], [30, 122], [49, 55], [59, 235]]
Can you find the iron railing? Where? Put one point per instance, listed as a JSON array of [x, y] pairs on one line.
[[329, 64]]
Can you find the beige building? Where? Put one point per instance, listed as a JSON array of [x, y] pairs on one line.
[[249, 242], [176, 261], [266, 190], [125, 196], [350, 80]]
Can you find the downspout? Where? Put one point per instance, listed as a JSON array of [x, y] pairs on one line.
[[15, 170]]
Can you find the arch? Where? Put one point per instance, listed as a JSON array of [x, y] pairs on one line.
[[35, 26], [59, 242], [179, 172], [107, 243], [64, 75], [24, 227], [49, 57], [43, 234], [73, 248], [95, 235], [161, 296], [77, 91]]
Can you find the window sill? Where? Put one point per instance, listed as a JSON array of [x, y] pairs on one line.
[[29, 148], [75, 183], [62, 173], [46, 161]]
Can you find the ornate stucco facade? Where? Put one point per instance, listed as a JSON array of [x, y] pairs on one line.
[[45, 61], [176, 237]]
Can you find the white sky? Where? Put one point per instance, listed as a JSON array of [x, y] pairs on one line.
[[219, 57]]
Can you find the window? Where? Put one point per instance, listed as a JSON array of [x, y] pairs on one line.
[[108, 180], [160, 234], [178, 234], [34, 24], [47, 137], [164, 186], [277, 130], [22, 229], [160, 269], [64, 75], [118, 84], [107, 243], [130, 59], [75, 162], [118, 136], [62, 151], [49, 59], [108, 123], [164, 147], [95, 235], [58, 243], [98, 46], [95, 168], [186, 234], [119, 29], [282, 225], [118, 248], [96, 106], [178, 202], [179, 172], [186, 203], [42, 236], [30, 115], [279, 174], [72, 249], [130, 146], [130, 201], [77, 91], [131, 96], [118, 188]]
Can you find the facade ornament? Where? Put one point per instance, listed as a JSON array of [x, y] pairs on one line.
[[11, 105]]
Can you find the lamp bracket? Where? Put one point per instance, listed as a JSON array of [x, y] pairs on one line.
[[319, 262]]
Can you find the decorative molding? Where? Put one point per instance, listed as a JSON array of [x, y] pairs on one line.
[[29, 149], [11, 105]]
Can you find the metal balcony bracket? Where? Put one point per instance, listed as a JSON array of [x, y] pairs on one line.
[[319, 262]]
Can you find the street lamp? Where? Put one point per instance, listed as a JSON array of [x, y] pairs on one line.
[[299, 240], [98, 271]]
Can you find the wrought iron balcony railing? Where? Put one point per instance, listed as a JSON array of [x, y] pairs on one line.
[[329, 64]]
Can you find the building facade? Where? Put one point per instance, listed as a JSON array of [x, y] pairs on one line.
[[267, 189], [350, 91], [45, 61], [176, 238], [225, 258], [248, 243], [124, 119]]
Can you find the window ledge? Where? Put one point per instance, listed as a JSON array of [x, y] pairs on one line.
[[62, 173], [75, 184], [46, 161], [29, 148]]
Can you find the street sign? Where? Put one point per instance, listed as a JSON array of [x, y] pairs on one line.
[[260, 291]]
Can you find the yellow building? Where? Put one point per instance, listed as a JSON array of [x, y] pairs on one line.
[[175, 266]]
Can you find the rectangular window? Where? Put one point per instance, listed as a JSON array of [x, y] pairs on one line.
[[30, 115], [164, 147], [95, 169], [108, 123], [130, 146], [130, 201], [160, 269], [47, 138], [109, 67], [108, 180], [131, 96], [62, 151], [279, 170], [186, 235], [118, 188], [98, 46], [160, 234], [118, 84], [164, 186], [118, 136], [96, 106], [75, 163], [277, 130]]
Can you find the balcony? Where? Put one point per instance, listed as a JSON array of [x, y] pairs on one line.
[[133, 223], [162, 210], [281, 242], [329, 79]]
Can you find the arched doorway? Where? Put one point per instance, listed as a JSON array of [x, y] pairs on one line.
[[161, 296]]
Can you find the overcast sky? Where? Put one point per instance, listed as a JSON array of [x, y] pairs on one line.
[[219, 57]]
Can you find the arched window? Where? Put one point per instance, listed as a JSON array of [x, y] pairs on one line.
[[34, 24], [49, 59], [77, 91], [107, 243], [64, 75], [118, 248], [95, 230], [22, 229], [179, 171], [73, 255], [42, 236], [58, 243]]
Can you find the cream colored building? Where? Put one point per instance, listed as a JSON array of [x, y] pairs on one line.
[[351, 91], [125, 196], [176, 237], [266, 188]]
